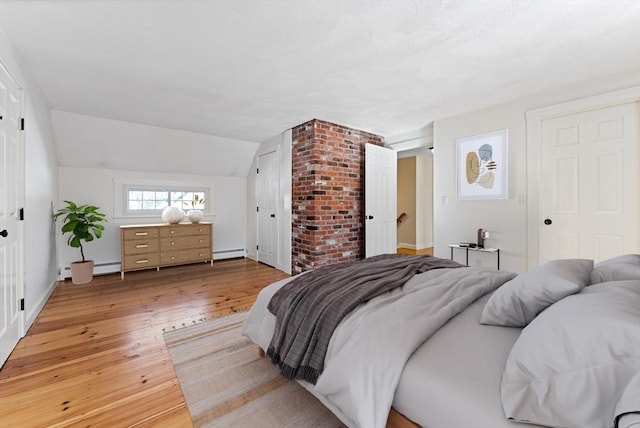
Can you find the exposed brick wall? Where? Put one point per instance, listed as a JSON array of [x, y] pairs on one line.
[[327, 194]]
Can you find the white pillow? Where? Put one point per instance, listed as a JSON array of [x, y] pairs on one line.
[[518, 301], [616, 269], [572, 365]]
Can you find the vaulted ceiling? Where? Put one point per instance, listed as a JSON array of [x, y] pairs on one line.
[[248, 70]]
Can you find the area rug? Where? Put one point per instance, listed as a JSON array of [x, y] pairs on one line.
[[227, 384]]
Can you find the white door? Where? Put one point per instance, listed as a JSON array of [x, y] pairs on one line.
[[380, 178], [590, 181], [11, 195], [267, 198]]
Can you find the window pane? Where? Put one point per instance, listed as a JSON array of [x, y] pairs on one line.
[[152, 200], [148, 196]]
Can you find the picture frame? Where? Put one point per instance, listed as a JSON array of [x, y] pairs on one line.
[[482, 166]]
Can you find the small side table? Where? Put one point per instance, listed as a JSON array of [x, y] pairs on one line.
[[482, 250]]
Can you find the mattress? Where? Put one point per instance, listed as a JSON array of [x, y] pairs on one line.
[[453, 379]]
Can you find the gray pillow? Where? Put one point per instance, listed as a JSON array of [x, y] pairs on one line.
[[617, 269], [575, 364], [518, 301]]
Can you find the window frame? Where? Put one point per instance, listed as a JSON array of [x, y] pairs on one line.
[[169, 189], [123, 215]]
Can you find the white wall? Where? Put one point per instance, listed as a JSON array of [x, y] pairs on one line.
[[98, 187], [506, 219], [424, 202], [281, 143], [40, 187]]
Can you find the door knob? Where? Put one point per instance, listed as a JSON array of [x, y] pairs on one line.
[[4, 233], [273, 216], [370, 217], [547, 221]]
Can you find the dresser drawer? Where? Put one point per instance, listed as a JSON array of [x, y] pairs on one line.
[[184, 256], [182, 242], [139, 233], [140, 261], [156, 245], [140, 246], [185, 230]]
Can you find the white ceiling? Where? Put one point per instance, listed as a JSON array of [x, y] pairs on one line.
[[249, 70]]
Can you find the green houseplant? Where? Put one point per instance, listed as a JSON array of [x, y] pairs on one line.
[[83, 223]]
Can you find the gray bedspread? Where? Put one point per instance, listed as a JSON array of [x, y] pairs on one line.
[[309, 308]]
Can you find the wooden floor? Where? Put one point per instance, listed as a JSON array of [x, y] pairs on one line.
[[95, 355], [426, 251]]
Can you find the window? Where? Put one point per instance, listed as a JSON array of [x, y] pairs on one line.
[[142, 200]]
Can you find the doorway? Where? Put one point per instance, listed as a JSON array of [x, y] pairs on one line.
[[415, 202]]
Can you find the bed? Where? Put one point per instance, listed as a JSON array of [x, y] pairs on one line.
[[556, 346]]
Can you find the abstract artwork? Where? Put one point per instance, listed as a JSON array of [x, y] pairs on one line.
[[481, 166]]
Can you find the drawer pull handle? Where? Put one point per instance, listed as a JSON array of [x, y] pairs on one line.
[[142, 261], [173, 231], [173, 243], [200, 230], [173, 257], [142, 233], [201, 241], [200, 254], [142, 246]]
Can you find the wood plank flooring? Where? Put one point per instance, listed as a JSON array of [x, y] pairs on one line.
[[95, 355]]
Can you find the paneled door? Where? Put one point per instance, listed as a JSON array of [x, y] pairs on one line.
[[267, 197], [590, 182], [11, 196], [380, 172]]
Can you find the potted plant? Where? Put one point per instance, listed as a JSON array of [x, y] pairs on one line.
[[83, 223]]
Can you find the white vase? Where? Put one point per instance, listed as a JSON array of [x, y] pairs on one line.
[[194, 216], [172, 215]]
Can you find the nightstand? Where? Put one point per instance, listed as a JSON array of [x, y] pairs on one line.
[[482, 250]]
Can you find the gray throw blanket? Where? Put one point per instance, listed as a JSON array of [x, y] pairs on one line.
[[310, 307]]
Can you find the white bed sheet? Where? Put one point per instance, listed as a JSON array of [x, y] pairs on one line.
[[453, 378]]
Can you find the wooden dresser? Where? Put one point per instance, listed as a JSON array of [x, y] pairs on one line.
[[156, 245]]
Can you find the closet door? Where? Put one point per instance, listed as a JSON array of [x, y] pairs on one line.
[[267, 197], [589, 184], [11, 196]]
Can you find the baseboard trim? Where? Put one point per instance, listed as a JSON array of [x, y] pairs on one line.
[[414, 247], [405, 245], [34, 311]]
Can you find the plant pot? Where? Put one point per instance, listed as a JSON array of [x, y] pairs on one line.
[[82, 272], [194, 216]]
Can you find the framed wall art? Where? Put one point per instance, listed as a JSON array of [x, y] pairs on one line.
[[482, 166]]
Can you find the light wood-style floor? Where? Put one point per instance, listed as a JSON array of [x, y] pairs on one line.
[[95, 356], [426, 251]]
